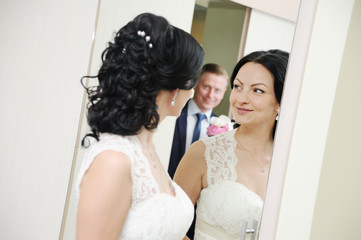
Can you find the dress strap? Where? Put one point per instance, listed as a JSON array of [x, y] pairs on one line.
[[220, 157]]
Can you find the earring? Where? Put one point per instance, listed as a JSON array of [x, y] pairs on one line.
[[175, 95], [278, 112]]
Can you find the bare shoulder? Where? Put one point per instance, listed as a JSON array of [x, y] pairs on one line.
[[112, 159], [112, 163], [109, 166]]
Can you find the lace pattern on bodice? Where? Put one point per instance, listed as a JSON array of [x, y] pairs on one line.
[[220, 157], [142, 179], [225, 205], [152, 214]]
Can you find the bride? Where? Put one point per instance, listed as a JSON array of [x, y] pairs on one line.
[[124, 192], [226, 175]]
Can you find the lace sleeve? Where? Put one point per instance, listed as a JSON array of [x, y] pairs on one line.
[[143, 184], [220, 157]]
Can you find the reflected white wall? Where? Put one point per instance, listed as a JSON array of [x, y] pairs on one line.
[[267, 31]]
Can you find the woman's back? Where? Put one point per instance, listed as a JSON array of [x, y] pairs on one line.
[[152, 214]]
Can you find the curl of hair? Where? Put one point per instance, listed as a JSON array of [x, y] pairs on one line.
[[275, 61], [132, 74]]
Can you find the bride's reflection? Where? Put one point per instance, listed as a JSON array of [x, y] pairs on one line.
[[226, 175]]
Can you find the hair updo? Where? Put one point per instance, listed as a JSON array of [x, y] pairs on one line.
[[135, 67]]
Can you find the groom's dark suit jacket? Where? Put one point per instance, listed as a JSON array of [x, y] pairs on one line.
[[179, 141]]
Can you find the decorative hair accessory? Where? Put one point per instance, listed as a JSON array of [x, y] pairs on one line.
[[278, 112], [219, 125], [141, 33], [147, 38]]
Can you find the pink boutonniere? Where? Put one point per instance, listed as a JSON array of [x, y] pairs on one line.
[[219, 125]]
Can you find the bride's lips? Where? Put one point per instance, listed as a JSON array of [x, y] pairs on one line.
[[243, 110]]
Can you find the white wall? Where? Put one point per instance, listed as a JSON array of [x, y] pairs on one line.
[[337, 213], [45, 47], [114, 14]]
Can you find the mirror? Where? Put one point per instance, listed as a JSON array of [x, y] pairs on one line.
[[227, 30]]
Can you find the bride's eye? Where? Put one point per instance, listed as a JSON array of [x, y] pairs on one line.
[[236, 86], [257, 90]]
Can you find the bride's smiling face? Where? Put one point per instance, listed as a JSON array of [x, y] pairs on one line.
[[252, 98]]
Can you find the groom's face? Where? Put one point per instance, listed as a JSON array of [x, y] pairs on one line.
[[210, 90]]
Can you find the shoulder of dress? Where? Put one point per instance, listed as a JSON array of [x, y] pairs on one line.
[[117, 143]]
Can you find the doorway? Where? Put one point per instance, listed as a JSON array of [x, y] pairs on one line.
[[218, 26]]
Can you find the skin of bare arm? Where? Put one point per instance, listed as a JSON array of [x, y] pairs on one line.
[[106, 194], [191, 171]]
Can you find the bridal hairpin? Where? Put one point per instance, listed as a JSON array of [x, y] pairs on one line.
[[147, 38]]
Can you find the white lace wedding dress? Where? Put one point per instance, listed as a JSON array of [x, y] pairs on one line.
[[225, 205], [152, 214]]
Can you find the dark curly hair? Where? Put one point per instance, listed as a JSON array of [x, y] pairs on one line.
[[134, 69], [275, 61]]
